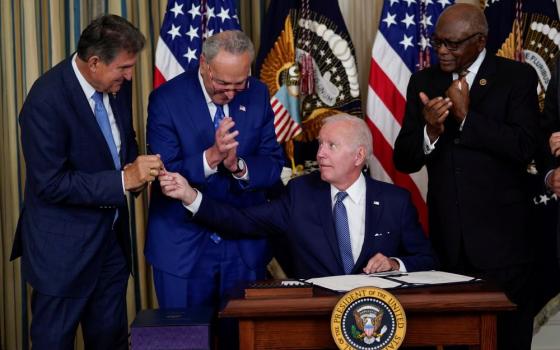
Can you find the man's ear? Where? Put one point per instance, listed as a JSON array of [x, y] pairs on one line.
[[360, 156], [93, 63]]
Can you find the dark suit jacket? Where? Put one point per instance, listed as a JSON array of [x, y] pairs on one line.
[[180, 129], [477, 190], [304, 215], [550, 123], [72, 187]]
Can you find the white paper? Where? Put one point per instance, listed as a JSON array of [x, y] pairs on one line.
[[345, 283], [432, 277], [388, 280]]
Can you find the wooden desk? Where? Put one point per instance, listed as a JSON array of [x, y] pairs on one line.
[[440, 315]]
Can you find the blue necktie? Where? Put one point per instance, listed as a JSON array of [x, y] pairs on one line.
[[343, 232], [103, 120], [218, 116]]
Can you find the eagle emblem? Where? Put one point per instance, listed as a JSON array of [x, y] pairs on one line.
[[368, 321]]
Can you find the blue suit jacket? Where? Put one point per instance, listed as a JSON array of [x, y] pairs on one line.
[[180, 129], [72, 187], [304, 215]]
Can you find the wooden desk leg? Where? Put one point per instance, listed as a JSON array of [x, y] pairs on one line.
[[488, 330], [247, 335]]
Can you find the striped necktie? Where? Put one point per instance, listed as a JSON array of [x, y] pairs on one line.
[[102, 118], [343, 232]]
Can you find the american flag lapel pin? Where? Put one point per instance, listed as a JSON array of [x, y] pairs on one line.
[[376, 203], [242, 108]]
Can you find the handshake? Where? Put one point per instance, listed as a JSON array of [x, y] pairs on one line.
[[147, 168]]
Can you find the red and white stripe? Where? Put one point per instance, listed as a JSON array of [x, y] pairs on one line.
[[166, 66], [386, 101], [286, 128]]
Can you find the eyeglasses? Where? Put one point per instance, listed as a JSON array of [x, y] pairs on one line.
[[451, 45], [221, 86]]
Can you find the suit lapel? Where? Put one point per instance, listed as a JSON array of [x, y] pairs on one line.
[[483, 80], [324, 203], [83, 109], [373, 207], [197, 115]]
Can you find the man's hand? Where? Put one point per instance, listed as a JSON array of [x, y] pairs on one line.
[[554, 143], [380, 263], [458, 93], [223, 144], [144, 169], [230, 162], [435, 112], [176, 186]]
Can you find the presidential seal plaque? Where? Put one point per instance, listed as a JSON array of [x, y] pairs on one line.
[[368, 318]]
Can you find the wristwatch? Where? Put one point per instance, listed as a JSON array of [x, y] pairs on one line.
[[240, 166]]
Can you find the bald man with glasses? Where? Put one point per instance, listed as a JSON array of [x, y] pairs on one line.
[[472, 121], [215, 127]]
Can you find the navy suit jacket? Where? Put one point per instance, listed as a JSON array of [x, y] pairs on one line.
[[180, 128], [72, 188], [304, 215], [478, 197]]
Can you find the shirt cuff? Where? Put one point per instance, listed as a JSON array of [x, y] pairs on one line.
[[402, 268], [207, 170], [462, 123], [546, 179], [195, 205], [428, 146], [122, 182]]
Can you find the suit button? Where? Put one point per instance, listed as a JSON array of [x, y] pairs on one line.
[[456, 141]]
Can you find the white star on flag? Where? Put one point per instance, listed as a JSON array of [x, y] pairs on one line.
[[224, 14], [192, 33], [406, 41], [174, 31], [194, 11], [190, 55], [409, 20], [177, 10], [390, 19]]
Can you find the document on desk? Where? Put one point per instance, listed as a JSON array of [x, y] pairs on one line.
[[345, 283], [388, 280]]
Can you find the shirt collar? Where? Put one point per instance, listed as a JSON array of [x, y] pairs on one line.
[[86, 87], [206, 96], [356, 191], [475, 66]]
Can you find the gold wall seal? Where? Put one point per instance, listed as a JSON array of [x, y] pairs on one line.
[[368, 318]]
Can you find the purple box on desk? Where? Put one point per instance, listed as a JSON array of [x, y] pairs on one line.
[[168, 329]]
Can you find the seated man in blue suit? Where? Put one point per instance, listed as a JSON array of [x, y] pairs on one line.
[[81, 158], [189, 119], [338, 221]]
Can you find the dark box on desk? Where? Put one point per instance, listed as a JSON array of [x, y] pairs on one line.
[[172, 329]]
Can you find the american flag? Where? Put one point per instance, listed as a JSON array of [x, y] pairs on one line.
[[185, 25], [401, 47]]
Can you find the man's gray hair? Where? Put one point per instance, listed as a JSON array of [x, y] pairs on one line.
[[361, 135], [232, 41]]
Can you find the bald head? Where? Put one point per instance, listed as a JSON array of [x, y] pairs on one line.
[[468, 15]]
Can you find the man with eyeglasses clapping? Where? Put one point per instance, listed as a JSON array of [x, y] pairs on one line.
[[215, 127], [472, 121]]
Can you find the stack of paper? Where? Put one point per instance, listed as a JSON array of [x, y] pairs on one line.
[[387, 280]]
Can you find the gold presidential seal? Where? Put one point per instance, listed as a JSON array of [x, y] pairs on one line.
[[368, 318]]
